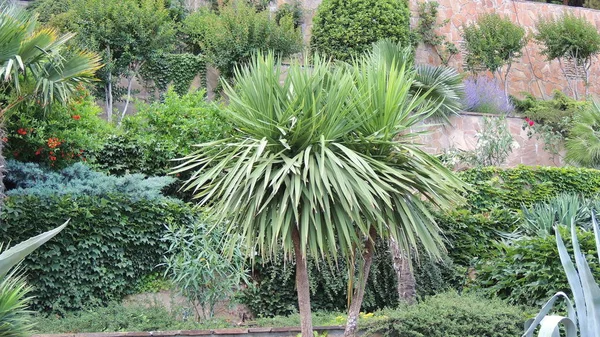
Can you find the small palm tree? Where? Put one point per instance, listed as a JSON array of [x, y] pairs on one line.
[[583, 141], [36, 65], [322, 161]]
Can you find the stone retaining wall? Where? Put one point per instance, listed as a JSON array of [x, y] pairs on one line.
[[461, 134]]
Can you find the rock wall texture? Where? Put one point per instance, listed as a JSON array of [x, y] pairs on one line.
[[531, 73], [462, 132]]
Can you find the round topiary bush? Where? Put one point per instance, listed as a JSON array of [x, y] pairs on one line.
[[345, 28]]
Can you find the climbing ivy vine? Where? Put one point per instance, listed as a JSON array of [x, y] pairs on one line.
[[176, 69]]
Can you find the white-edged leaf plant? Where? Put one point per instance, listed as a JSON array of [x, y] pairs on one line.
[[583, 313]]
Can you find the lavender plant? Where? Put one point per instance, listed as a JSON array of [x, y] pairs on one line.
[[484, 95]]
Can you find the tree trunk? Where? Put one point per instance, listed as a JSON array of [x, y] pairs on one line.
[[359, 291], [302, 286], [129, 82], [406, 279], [109, 98]]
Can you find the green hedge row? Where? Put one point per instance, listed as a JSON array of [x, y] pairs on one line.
[[510, 188], [110, 243]]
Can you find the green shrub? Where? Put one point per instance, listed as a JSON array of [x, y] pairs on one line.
[[343, 29], [492, 43], [527, 271], [451, 315], [293, 9], [511, 188], [114, 317], [161, 132], [557, 113], [495, 204], [229, 37], [78, 180], [57, 137], [470, 235], [273, 292], [583, 143], [569, 38], [178, 70], [110, 243], [202, 267]]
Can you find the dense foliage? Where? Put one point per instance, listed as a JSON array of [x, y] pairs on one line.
[[528, 271], [492, 42], [583, 143], [452, 315], [161, 132], [57, 137], [112, 240], [228, 37], [344, 29], [127, 33], [178, 70], [273, 291], [495, 205], [201, 267], [78, 180], [511, 188]]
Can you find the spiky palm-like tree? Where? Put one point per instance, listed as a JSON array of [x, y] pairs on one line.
[[443, 85], [323, 160], [583, 141], [35, 63]]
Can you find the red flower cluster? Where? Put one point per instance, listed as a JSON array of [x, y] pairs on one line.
[[5, 139], [22, 132], [529, 121], [53, 142], [76, 117]]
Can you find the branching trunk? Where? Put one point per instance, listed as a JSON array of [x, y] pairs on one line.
[[302, 286], [359, 291], [406, 279], [129, 82], [109, 98]]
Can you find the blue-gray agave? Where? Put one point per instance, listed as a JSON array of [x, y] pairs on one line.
[[585, 314]]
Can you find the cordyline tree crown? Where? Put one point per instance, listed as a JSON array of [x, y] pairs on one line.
[[321, 162]]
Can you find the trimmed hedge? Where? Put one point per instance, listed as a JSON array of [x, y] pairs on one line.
[[344, 29], [452, 315], [110, 243], [529, 271], [510, 188]]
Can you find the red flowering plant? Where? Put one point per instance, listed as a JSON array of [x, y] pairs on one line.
[[58, 136]]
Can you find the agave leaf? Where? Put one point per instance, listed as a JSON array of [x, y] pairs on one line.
[[572, 277], [549, 327], [591, 291], [15, 254], [531, 326]]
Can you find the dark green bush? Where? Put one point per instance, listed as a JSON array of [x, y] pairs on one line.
[[161, 132], [528, 271], [452, 315], [230, 36], [273, 292], [343, 29], [115, 317], [558, 113], [469, 235], [511, 188], [110, 243]]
